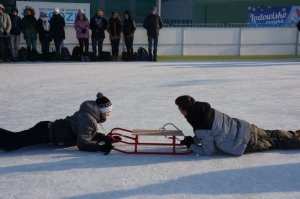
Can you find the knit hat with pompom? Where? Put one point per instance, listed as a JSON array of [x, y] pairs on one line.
[[104, 103]]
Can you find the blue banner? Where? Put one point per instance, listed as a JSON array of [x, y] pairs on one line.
[[268, 16], [273, 16]]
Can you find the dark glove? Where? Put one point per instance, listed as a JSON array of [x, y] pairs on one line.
[[106, 145], [187, 141], [4, 33], [83, 31], [99, 137]]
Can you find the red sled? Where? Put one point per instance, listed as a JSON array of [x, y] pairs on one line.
[[132, 138]]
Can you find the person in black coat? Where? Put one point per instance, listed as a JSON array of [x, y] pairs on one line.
[[114, 29], [152, 24], [57, 24], [98, 25], [44, 34], [16, 28], [79, 129], [29, 29], [129, 28]]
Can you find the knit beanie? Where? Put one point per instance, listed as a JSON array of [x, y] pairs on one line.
[[104, 103]]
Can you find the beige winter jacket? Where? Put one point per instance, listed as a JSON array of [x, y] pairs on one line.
[[5, 23]]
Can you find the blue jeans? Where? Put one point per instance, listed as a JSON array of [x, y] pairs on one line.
[[31, 43], [155, 40], [97, 41]]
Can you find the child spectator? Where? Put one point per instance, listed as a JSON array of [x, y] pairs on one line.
[[44, 35], [57, 30], [114, 29], [16, 28], [29, 29], [82, 26], [5, 26], [98, 25], [128, 32]]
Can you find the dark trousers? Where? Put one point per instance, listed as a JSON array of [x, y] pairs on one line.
[[39, 134], [153, 40], [84, 43], [97, 41], [45, 48], [262, 140], [4, 47], [57, 43], [115, 47], [129, 44], [31, 43]]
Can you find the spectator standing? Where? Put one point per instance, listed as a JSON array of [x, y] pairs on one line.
[[82, 27], [29, 29], [152, 24], [57, 30], [16, 28], [5, 26], [44, 35], [114, 29], [98, 25], [129, 28]]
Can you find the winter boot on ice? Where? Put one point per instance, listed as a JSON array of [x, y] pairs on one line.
[[154, 55]]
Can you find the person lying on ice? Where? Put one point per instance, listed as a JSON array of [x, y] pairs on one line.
[[216, 131], [79, 129]]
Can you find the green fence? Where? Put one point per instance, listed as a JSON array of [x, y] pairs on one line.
[[203, 11]]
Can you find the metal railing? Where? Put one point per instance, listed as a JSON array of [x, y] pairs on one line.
[[220, 25]]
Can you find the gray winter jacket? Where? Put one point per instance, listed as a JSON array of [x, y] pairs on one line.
[[5, 25], [229, 135], [84, 125]]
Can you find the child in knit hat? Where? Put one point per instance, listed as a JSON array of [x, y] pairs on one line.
[[79, 129]]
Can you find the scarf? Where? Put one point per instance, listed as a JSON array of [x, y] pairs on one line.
[[46, 24]]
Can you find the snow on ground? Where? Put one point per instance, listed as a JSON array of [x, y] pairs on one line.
[[265, 93]]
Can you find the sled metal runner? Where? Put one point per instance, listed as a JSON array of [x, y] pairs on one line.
[[132, 138]]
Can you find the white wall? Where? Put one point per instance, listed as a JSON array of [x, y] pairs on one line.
[[268, 41], [211, 41]]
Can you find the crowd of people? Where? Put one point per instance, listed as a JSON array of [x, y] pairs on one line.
[[53, 29]]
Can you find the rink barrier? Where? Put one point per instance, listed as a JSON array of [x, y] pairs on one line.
[[181, 41]]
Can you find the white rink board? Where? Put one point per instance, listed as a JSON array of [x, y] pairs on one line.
[[207, 41], [211, 50], [268, 35], [211, 35], [267, 49]]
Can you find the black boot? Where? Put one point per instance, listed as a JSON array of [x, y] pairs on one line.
[[154, 55], [28, 55]]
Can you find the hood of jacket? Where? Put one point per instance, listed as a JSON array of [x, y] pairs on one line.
[[1, 6], [92, 109]]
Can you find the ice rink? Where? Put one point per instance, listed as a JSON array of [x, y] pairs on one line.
[[266, 93]]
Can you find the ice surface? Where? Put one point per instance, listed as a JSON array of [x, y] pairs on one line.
[[266, 93]]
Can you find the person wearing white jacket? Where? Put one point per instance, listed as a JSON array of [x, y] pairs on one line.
[[5, 26], [215, 131]]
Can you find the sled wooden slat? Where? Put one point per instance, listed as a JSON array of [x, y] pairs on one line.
[[157, 132]]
